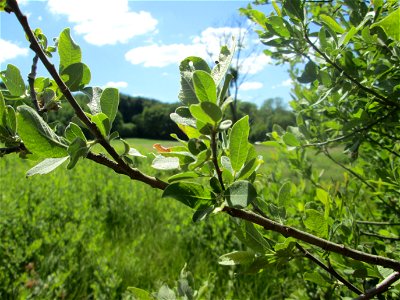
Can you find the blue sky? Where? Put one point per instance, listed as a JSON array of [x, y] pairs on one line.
[[136, 46]]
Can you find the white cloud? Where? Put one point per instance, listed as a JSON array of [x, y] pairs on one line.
[[104, 22], [10, 50], [285, 83], [253, 63], [163, 55], [118, 84], [250, 85], [207, 43]]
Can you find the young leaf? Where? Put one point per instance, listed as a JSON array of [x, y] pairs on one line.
[[135, 152], [46, 166], [37, 136], [225, 88], [165, 163], [236, 258], [316, 222], [331, 23], [73, 131], [2, 108], [212, 110], [187, 67], [77, 149], [76, 76], [190, 194], [13, 80], [224, 62], [239, 144], [204, 86], [199, 114], [290, 140], [390, 25], [240, 194], [94, 94], [70, 53], [109, 102], [102, 122]]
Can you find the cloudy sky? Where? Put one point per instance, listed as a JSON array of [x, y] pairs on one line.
[[136, 46]]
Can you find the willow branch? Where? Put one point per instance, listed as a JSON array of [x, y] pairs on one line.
[[215, 158], [268, 224], [31, 82], [381, 287], [12, 6]]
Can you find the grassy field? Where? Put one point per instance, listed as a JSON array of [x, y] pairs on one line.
[[90, 233]]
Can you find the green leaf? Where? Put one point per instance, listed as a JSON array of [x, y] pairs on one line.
[[70, 53], [11, 120], [391, 25], [165, 163], [332, 24], [310, 73], [240, 194], [73, 131], [109, 102], [94, 95], [250, 167], [204, 86], [316, 222], [165, 293], [37, 136], [290, 140], [346, 37], [202, 212], [187, 67], [77, 149], [183, 176], [248, 234], [190, 194], [46, 166], [102, 122], [13, 80], [76, 76], [140, 294], [2, 108], [224, 62], [237, 258], [225, 88], [284, 194], [294, 8], [212, 110], [239, 144], [199, 114]]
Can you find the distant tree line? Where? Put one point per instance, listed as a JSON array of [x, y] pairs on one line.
[[142, 117]]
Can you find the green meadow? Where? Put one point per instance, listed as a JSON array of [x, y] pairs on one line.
[[91, 233]]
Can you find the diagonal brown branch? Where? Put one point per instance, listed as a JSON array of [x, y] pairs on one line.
[[381, 287]]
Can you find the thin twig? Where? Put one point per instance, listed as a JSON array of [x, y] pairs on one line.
[[329, 269], [381, 287], [15, 149], [377, 223], [215, 158], [379, 236], [31, 82]]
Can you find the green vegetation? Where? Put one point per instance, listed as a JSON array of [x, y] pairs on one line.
[[288, 230]]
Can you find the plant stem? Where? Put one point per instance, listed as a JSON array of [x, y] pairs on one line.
[[215, 158], [312, 239], [377, 223], [329, 269], [31, 82]]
